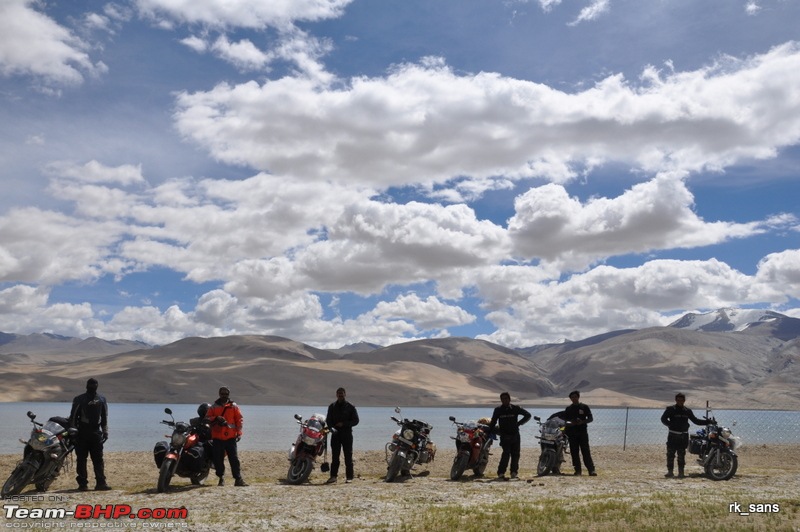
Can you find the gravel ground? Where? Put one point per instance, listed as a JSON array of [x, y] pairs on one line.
[[765, 474]]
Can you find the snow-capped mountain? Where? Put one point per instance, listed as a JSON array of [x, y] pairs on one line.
[[726, 319]]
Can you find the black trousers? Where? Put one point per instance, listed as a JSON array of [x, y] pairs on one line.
[[676, 444], [579, 443], [89, 444], [342, 441], [226, 446], [510, 443]]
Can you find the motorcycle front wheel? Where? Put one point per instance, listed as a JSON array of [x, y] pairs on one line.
[[299, 470], [722, 466], [394, 467], [547, 461], [459, 465], [165, 475], [18, 479]]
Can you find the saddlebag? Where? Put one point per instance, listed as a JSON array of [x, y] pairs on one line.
[[695, 444], [159, 452], [194, 458]]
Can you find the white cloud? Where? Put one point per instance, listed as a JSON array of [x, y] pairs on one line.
[[550, 225], [591, 12], [96, 172], [241, 13], [243, 54], [31, 43], [424, 124], [429, 313]]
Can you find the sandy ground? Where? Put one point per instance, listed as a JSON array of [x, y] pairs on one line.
[[765, 474]]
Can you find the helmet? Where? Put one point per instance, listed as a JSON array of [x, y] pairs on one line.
[[202, 410]]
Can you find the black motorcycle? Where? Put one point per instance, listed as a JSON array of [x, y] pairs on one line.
[[186, 454], [410, 445], [714, 445], [45, 455], [553, 442]]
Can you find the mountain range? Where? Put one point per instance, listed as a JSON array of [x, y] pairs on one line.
[[734, 358]]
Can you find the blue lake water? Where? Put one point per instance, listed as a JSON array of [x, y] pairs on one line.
[[136, 427]]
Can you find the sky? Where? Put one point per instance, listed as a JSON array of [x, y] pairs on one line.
[[343, 171]]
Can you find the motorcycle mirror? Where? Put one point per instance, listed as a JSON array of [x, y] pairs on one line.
[[31, 415], [397, 409], [168, 411], [537, 418], [451, 418], [298, 417]]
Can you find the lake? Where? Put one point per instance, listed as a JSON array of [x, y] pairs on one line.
[[136, 427]]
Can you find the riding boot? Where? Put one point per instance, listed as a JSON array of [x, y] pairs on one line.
[[680, 472], [670, 466]]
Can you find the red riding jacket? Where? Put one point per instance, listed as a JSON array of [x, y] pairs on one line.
[[233, 420]]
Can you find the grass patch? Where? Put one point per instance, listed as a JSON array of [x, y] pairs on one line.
[[603, 512]]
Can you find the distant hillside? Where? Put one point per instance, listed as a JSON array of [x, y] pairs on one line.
[[742, 363], [45, 347]]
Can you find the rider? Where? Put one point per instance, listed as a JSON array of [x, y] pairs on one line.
[[226, 430], [505, 417], [676, 418]]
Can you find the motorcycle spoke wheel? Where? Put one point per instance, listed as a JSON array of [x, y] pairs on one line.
[[18, 479], [722, 466], [165, 475], [299, 470], [459, 465], [547, 460]]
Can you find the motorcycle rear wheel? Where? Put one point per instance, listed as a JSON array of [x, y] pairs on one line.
[[459, 465], [480, 469], [165, 475], [547, 461], [299, 470], [394, 467], [725, 469], [18, 479]]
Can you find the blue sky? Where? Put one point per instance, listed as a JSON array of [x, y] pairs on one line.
[[336, 171]]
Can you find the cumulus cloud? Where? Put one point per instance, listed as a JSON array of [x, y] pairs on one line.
[[607, 298], [31, 43], [429, 313], [425, 124], [550, 225]]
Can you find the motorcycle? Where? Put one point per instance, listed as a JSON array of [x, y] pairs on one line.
[[553, 442], [44, 456], [310, 443], [473, 441], [410, 445], [185, 455], [715, 447]]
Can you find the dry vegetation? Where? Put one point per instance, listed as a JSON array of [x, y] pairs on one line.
[[628, 493]]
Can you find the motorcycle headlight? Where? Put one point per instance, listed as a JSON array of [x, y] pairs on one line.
[[726, 433], [408, 434], [178, 439]]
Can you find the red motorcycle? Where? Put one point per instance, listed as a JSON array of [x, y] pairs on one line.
[[473, 441], [311, 442], [185, 455]]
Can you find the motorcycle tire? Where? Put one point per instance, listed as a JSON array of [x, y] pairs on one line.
[[480, 469], [725, 469], [299, 470], [394, 467], [18, 479], [165, 475], [459, 465], [547, 461], [198, 478]]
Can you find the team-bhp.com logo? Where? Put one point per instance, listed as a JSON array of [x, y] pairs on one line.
[[94, 511]]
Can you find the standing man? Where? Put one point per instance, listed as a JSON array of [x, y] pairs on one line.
[[89, 415], [676, 418], [505, 416], [342, 416], [226, 430], [578, 415]]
